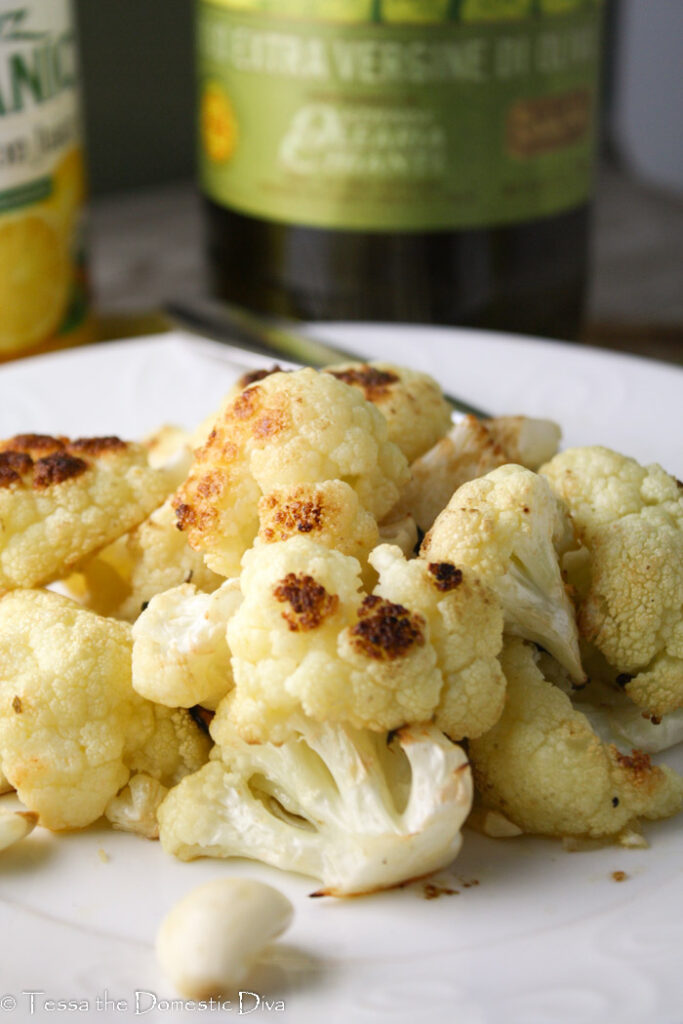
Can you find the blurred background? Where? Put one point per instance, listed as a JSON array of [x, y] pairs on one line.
[[138, 69]]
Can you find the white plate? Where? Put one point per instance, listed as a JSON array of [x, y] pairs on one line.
[[545, 936]]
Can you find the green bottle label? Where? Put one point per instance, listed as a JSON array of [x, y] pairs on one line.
[[398, 115]]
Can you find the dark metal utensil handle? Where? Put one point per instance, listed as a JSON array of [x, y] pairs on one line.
[[239, 327]]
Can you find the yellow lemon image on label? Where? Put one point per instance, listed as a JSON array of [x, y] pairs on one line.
[[68, 188], [35, 278], [495, 10], [416, 11], [218, 124]]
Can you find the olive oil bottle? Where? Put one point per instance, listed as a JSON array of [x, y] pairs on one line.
[[412, 160]]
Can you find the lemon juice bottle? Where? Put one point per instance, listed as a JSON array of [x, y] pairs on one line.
[[43, 292]]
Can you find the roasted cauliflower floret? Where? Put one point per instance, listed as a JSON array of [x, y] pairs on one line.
[[290, 428], [471, 449], [200, 435], [357, 810], [600, 486], [62, 500], [465, 629], [630, 520], [546, 770], [510, 529], [307, 639], [69, 716], [71, 726], [300, 601], [412, 403], [180, 651], [329, 513]]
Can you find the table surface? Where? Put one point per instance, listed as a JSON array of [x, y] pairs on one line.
[[146, 247]]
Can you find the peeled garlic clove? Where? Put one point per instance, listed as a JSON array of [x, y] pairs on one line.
[[14, 826], [208, 941]]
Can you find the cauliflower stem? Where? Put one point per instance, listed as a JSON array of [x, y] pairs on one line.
[[360, 811]]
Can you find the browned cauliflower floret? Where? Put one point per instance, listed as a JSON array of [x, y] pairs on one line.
[[510, 529], [329, 513], [416, 411], [290, 428], [546, 770], [62, 500], [71, 726], [201, 433], [472, 448], [465, 628], [306, 639], [630, 520], [68, 713]]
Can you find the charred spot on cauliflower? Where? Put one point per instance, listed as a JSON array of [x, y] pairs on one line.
[[296, 515], [309, 603], [446, 576], [56, 468], [14, 465], [386, 631], [373, 381]]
